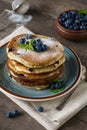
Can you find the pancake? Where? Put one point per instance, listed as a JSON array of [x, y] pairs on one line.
[[45, 82], [29, 76], [31, 58], [18, 67], [35, 69]]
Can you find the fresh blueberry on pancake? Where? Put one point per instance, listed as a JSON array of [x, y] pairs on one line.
[[22, 40], [28, 36]]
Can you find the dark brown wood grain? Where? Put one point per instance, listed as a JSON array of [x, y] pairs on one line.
[[44, 14]]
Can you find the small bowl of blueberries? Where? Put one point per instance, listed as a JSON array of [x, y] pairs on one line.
[[72, 24]]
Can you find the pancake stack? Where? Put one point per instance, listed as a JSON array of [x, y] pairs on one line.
[[35, 69]]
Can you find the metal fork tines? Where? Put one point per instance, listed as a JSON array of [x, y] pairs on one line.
[[63, 103], [82, 78]]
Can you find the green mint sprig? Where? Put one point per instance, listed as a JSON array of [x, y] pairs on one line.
[[84, 11], [58, 80], [31, 45], [27, 46], [57, 90]]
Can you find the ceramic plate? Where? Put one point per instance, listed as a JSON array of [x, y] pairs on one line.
[[71, 77]]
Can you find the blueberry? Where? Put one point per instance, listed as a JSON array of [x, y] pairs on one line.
[[53, 85], [39, 43], [63, 14], [16, 113], [69, 21], [9, 115], [66, 24], [40, 108], [37, 40], [44, 47], [76, 27], [82, 27], [62, 19], [69, 15], [27, 42], [81, 15], [37, 48], [28, 36], [66, 16], [84, 18], [74, 13], [77, 21], [58, 85], [22, 40], [83, 23], [34, 44], [80, 20], [78, 16], [71, 27]]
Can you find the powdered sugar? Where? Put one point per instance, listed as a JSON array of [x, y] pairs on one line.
[[48, 41], [50, 54], [19, 18]]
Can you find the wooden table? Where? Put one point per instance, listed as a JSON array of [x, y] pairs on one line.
[[44, 14]]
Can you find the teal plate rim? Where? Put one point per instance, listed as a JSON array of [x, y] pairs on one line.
[[51, 95]]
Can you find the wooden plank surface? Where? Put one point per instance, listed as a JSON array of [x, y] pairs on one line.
[[44, 14]]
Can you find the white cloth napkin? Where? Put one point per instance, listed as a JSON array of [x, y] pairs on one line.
[[17, 31], [50, 118]]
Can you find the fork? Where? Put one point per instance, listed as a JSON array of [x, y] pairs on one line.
[[63, 103]]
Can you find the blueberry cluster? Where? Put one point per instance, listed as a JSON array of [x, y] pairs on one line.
[[34, 44], [15, 113], [73, 20], [39, 46], [56, 84], [24, 40]]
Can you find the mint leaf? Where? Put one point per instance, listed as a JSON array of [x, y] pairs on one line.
[[54, 88], [58, 80], [31, 45], [57, 90], [22, 45], [84, 11], [27, 46]]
